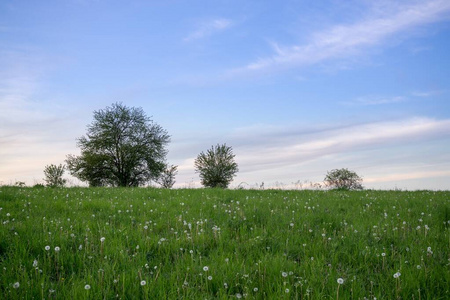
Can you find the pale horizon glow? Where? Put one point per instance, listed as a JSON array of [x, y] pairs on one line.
[[297, 89]]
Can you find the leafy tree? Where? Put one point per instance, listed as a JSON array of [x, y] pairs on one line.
[[122, 147], [167, 178], [217, 166], [53, 175], [343, 179]]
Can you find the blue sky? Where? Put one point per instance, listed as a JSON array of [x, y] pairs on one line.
[[297, 88]]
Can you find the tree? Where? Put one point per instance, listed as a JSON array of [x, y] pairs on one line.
[[343, 179], [53, 175], [167, 178], [217, 166], [122, 147]]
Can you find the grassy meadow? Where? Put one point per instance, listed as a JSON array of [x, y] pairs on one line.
[[146, 243]]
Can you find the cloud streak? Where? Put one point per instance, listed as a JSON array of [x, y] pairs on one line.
[[346, 40], [209, 28]]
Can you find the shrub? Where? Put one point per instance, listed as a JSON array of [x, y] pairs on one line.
[[53, 175], [217, 166], [343, 179], [167, 178]]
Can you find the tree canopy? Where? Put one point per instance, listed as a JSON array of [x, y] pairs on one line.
[[216, 167], [122, 147]]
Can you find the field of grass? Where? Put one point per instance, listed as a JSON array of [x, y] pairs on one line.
[[105, 243]]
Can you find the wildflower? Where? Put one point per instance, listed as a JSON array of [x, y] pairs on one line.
[[35, 263], [102, 239], [80, 247], [57, 249], [143, 282], [16, 285], [239, 296], [286, 290], [210, 277], [340, 280], [383, 254], [87, 287], [255, 289], [47, 248], [419, 267], [284, 274], [397, 275], [205, 268]]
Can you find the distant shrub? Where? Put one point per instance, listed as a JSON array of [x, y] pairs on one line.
[[343, 179], [167, 177], [38, 186], [53, 175], [217, 166]]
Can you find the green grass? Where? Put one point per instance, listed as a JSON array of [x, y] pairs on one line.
[[256, 244]]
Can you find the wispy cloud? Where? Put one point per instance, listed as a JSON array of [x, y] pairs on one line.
[[209, 28], [427, 94], [375, 100], [347, 40], [298, 148]]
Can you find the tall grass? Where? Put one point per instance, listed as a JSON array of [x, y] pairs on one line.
[[208, 243]]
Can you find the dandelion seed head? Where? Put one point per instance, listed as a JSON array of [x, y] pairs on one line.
[[87, 287], [57, 249], [102, 239], [205, 268], [143, 282], [16, 285], [340, 280], [47, 248]]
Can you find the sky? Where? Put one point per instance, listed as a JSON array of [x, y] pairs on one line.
[[296, 88]]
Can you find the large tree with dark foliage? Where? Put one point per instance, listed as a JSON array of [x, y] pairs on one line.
[[122, 147], [216, 167]]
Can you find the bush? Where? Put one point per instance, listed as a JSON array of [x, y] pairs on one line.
[[167, 177], [217, 166], [53, 175], [343, 179]]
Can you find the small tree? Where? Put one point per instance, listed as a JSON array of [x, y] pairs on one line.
[[217, 166], [167, 178], [343, 179], [53, 175]]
